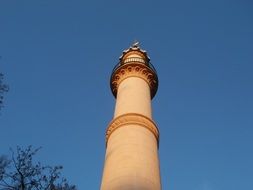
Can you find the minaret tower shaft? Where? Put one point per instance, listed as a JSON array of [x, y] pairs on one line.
[[132, 137]]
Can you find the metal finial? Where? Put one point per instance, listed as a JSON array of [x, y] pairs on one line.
[[136, 44]]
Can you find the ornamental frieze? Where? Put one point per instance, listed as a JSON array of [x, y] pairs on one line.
[[132, 118], [132, 68]]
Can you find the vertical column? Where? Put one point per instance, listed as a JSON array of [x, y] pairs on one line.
[[133, 97], [131, 160]]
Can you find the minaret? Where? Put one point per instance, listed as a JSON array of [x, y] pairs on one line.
[[132, 137]]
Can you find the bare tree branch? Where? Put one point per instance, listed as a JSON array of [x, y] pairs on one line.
[[21, 173], [3, 89]]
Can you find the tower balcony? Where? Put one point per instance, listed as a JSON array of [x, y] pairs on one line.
[[134, 60], [137, 66]]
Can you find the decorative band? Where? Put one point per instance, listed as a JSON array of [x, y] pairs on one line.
[[134, 69], [132, 118]]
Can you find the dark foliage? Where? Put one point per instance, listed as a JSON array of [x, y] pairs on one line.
[[20, 172], [3, 88]]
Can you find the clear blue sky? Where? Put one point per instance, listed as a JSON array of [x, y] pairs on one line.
[[57, 58]]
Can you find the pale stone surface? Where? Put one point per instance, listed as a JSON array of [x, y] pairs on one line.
[[133, 97], [131, 160]]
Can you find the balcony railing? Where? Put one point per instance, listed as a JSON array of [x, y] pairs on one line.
[[134, 59]]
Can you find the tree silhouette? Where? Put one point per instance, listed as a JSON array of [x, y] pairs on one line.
[[20, 172], [3, 88]]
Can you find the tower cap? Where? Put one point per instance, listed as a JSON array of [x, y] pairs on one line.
[[135, 49], [134, 62]]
